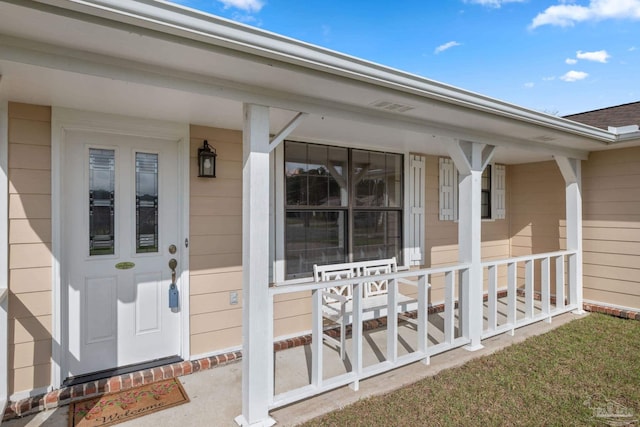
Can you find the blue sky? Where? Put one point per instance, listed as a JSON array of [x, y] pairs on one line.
[[558, 56]]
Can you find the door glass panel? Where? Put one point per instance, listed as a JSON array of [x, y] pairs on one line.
[[146, 202], [101, 201]]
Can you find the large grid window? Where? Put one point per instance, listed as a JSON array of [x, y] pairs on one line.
[[341, 205]]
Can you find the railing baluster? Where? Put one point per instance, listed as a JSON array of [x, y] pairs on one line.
[[492, 298], [316, 339], [528, 289], [392, 321], [356, 334], [423, 316], [448, 307], [545, 293], [511, 294], [560, 280]]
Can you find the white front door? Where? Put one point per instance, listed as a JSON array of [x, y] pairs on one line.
[[120, 219]]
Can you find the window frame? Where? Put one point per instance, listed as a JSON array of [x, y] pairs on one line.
[[495, 212]]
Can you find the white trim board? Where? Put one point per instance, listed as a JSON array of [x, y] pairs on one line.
[[4, 250], [63, 120]]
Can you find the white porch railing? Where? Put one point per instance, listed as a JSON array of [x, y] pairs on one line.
[[505, 310], [523, 298], [357, 371]]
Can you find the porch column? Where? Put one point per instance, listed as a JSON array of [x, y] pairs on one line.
[[470, 159], [572, 173], [257, 347]]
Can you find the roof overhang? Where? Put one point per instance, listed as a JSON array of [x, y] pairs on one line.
[[157, 59]]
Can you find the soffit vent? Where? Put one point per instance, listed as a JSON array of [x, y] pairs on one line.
[[392, 106], [544, 138]]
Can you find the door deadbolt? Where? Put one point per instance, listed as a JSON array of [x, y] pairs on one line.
[[172, 249]]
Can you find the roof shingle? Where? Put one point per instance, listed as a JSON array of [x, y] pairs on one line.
[[618, 116]]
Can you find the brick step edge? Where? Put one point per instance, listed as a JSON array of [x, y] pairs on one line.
[[611, 311], [66, 395]]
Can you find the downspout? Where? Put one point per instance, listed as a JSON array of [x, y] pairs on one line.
[[4, 258]]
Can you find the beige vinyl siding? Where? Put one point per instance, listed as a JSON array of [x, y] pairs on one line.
[[537, 207], [611, 227], [215, 243], [30, 306], [537, 214], [216, 252]]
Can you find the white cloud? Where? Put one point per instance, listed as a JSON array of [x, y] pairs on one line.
[[446, 46], [493, 3], [567, 14], [247, 5], [632, 48], [574, 76], [570, 61], [548, 79], [529, 85], [597, 56]]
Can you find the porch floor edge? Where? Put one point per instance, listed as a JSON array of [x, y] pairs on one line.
[[64, 396]]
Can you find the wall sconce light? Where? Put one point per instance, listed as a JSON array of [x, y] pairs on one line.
[[207, 161]]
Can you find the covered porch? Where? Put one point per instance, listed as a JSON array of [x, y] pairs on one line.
[[259, 90]]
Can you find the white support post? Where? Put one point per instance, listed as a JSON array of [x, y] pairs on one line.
[[560, 283], [356, 335], [545, 287], [449, 332], [423, 317], [512, 300], [4, 254], [392, 321], [492, 298], [470, 159], [528, 289], [316, 339], [572, 173], [257, 305]]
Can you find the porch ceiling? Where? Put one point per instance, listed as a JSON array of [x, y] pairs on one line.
[[85, 55]]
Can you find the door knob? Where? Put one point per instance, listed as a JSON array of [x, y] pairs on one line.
[[172, 265]]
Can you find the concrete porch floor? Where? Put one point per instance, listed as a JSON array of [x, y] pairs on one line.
[[216, 393]]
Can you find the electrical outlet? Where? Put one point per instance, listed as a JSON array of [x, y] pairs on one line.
[[233, 297]]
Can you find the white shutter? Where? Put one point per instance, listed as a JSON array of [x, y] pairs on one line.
[[417, 206], [499, 200], [448, 190]]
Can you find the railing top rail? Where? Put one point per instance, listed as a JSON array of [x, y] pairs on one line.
[[527, 258], [297, 286]]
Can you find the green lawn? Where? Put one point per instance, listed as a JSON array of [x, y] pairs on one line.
[[561, 378]]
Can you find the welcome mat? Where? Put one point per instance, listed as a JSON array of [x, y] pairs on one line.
[[114, 408]]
